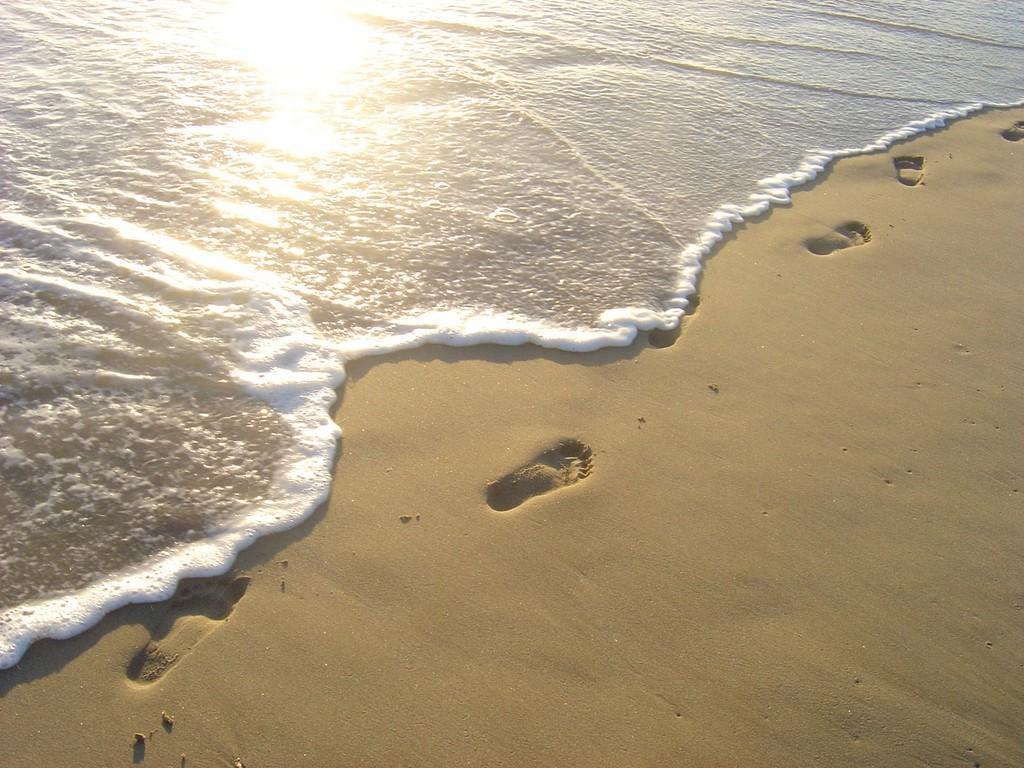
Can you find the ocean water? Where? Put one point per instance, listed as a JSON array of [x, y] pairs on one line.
[[207, 207]]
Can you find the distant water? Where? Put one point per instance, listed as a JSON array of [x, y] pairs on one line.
[[206, 207]]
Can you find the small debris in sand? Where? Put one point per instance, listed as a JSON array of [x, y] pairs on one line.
[[284, 564], [713, 388], [167, 719], [417, 518], [405, 519]]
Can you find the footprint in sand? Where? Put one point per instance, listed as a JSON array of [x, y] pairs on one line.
[[1015, 132], [662, 339], [189, 616], [565, 464], [848, 235], [909, 169]]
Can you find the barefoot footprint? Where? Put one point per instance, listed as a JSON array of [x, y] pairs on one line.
[[848, 235], [1015, 132], [565, 464], [663, 338], [909, 169], [188, 617]]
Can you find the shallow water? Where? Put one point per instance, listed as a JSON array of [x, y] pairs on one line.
[[206, 207]]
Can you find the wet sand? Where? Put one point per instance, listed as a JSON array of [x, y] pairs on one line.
[[790, 536]]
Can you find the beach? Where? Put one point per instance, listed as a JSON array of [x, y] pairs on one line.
[[787, 535]]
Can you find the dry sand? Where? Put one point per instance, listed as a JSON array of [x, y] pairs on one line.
[[794, 537]]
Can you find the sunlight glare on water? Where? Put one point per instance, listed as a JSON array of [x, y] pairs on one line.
[[306, 52]]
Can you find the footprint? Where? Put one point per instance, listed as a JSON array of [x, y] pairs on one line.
[[1015, 132], [848, 235], [565, 464], [189, 616], [909, 169], [662, 339]]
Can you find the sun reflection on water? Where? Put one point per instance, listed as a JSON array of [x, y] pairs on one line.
[[309, 53], [300, 45]]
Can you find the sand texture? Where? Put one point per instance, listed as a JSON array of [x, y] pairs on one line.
[[791, 536]]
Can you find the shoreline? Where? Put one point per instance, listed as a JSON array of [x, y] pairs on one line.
[[136, 585], [700, 592]]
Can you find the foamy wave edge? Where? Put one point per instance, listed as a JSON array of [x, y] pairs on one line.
[[306, 479]]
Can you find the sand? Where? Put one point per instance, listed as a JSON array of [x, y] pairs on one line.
[[791, 537]]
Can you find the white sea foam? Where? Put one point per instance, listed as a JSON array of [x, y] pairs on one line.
[[191, 247]]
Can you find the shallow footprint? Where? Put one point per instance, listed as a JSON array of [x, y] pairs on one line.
[[848, 235], [909, 169], [565, 464], [1015, 132], [190, 615], [664, 338]]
